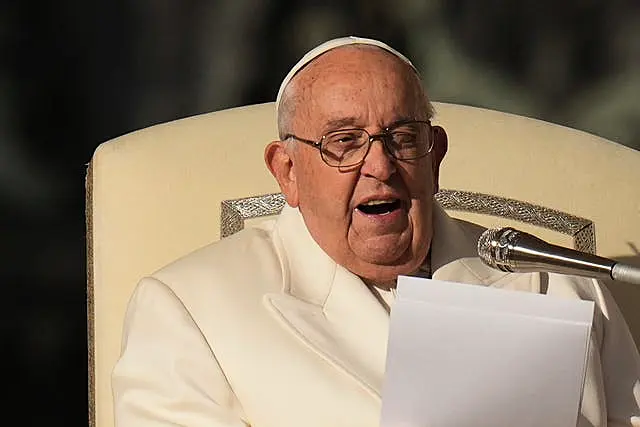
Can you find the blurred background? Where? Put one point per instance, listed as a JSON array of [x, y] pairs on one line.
[[74, 74]]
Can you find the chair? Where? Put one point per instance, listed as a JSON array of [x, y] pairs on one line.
[[161, 192]]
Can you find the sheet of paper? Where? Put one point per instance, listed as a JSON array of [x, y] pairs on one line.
[[466, 355]]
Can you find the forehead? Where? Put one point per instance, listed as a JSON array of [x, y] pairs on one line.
[[363, 82]]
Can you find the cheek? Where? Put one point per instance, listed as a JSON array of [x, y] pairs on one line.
[[420, 184], [422, 215], [326, 193], [422, 219], [419, 180]]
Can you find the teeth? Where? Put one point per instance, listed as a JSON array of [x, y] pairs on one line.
[[377, 202]]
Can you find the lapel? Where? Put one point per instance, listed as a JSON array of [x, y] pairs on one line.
[[333, 313], [329, 309]]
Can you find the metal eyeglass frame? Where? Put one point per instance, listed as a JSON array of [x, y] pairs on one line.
[[383, 136]]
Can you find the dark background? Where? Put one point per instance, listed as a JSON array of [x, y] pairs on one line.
[[74, 74]]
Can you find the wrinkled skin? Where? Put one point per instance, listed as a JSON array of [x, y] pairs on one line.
[[371, 89]]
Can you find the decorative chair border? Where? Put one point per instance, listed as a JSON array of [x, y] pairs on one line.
[[235, 212]]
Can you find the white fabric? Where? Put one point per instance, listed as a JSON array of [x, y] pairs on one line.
[[264, 329]]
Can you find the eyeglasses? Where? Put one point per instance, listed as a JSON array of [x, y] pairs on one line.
[[348, 147]]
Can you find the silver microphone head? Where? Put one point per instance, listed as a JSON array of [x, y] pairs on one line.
[[511, 250], [494, 247]]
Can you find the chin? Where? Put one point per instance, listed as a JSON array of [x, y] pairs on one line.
[[384, 257], [387, 266], [389, 249], [385, 274]]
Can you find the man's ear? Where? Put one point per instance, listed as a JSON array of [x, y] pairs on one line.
[[439, 150], [280, 164]]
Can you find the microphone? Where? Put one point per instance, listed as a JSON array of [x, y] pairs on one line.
[[511, 250]]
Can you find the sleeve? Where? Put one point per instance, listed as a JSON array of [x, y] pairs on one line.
[[167, 374], [620, 366]]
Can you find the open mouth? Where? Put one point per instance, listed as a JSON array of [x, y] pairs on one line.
[[379, 207]]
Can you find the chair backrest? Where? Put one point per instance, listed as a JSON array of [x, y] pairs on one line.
[[159, 193]]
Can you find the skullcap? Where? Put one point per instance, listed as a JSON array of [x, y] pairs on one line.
[[332, 44]]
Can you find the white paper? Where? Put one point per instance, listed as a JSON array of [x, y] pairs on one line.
[[466, 355]]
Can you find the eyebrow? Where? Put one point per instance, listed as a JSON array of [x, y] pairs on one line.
[[343, 122], [400, 122]]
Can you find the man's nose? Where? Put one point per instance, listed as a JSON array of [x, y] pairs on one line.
[[378, 163]]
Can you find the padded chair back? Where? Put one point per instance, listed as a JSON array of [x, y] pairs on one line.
[[156, 194]]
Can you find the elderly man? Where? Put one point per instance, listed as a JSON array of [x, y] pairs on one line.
[[286, 323]]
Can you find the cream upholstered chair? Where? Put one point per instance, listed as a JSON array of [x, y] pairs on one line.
[[158, 193]]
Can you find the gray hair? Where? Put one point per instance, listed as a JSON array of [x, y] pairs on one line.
[[287, 110]]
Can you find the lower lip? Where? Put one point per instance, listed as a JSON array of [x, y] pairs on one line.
[[387, 218]]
